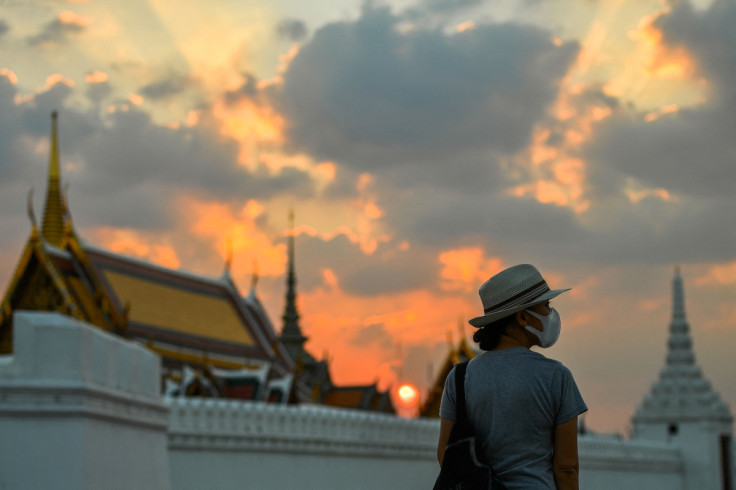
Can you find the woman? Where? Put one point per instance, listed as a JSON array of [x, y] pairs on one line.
[[523, 406]]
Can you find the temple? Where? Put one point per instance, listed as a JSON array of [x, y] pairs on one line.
[[213, 341]]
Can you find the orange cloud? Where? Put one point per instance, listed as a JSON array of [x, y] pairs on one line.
[[10, 75], [136, 244], [52, 80], [668, 109], [718, 275], [464, 268], [662, 60], [96, 77], [223, 225], [73, 18], [465, 26], [250, 124], [635, 192]]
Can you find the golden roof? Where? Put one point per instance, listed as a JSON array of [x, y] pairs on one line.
[[175, 308]]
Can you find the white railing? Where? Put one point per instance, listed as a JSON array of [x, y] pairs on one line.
[[610, 453], [212, 424]]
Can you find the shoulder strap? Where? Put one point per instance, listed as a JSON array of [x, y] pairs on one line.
[[460, 412], [462, 427]]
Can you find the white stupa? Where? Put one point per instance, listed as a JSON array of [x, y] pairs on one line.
[[683, 409]]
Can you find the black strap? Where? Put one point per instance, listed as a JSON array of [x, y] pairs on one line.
[[460, 370], [462, 423]]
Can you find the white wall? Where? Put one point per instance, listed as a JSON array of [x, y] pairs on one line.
[[79, 409], [608, 463], [231, 444]]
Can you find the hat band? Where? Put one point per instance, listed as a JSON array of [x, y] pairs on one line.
[[519, 299]]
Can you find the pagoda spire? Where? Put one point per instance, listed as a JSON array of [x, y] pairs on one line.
[[52, 227], [682, 392], [680, 344], [291, 333]]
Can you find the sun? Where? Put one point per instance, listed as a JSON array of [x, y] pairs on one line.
[[407, 395]]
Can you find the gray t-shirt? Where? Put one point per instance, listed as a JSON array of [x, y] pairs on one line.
[[514, 398]]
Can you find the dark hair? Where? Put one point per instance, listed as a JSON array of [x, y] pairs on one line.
[[488, 336]]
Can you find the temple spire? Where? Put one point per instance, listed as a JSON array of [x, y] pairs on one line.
[[291, 333], [680, 344], [682, 392], [52, 227]]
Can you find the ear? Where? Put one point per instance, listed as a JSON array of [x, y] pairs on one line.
[[522, 318]]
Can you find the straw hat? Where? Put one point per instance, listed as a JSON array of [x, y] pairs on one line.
[[514, 289]]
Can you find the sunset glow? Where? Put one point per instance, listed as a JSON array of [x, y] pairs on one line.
[[407, 395]]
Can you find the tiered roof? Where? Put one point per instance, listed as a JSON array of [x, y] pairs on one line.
[[682, 393]]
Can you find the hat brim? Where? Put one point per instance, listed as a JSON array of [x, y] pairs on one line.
[[481, 321]]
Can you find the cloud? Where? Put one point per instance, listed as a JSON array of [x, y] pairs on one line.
[[709, 36], [59, 30], [369, 96], [98, 86], [4, 27], [388, 271], [165, 88], [292, 30], [124, 169], [450, 6], [375, 334], [688, 151], [248, 89]]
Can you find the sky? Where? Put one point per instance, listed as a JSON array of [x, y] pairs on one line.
[[424, 145]]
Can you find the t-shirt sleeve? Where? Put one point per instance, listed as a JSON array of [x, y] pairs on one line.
[[447, 405], [571, 401]]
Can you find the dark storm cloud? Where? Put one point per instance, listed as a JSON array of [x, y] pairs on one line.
[[367, 95], [292, 30], [167, 87], [56, 31]]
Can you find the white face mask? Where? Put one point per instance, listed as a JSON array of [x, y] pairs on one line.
[[551, 324]]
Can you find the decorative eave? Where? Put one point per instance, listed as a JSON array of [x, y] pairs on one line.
[[681, 393], [36, 248]]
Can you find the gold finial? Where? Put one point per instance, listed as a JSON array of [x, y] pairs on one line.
[[254, 278], [29, 206], [52, 227], [228, 255]]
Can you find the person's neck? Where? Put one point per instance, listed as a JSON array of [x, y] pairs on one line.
[[513, 338]]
